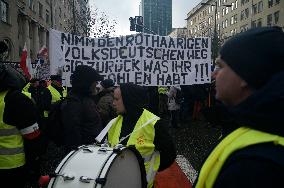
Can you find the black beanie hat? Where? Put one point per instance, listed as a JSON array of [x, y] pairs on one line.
[[255, 55], [107, 83], [83, 77]]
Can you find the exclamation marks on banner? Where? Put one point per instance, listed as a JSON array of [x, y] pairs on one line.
[[196, 72], [201, 72]]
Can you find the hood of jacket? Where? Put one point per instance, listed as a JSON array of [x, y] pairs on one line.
[[134, 99], [263, 110], [10, 78]]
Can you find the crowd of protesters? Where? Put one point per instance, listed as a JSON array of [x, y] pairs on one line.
[[92, 102]]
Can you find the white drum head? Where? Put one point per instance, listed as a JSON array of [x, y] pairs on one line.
[[97, 167]]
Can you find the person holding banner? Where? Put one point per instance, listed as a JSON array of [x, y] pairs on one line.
[[137, 126], [250, 82]]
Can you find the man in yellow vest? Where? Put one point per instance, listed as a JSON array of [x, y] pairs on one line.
[[250, 82], [141, 128], [56, 89], [20, 138]]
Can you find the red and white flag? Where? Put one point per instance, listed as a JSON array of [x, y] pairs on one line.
[[23, 63], [43, 53]]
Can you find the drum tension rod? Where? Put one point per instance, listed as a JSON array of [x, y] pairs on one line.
[[101, 181], [85, 179], [64, 176]]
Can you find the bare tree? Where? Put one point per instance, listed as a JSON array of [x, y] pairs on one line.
[[100, 24], [80, 15]]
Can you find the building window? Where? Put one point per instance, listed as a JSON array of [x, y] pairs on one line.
[[40, 7], [269, 20], [223, 11], [232, 20], [60, 12], [226, 23], [236, 4], [47, 16], [259, 22], [260, 6], [253, 24], [235, 19], [30, 3], [232, 6], [227, 10], [270, 3], [218, 27], [4, 11], [242, 14], [254, 9], [276, 17], [247, 12]]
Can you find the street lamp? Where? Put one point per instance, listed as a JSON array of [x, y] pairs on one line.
[[215, 45]]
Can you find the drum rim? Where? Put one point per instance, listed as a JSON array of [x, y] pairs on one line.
[[140, 162], [69, 155]]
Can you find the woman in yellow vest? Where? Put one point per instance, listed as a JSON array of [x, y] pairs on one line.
[[250, 82], [145, 130], [20, 139]]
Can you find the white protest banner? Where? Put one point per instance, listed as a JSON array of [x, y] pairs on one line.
[[143, 59]]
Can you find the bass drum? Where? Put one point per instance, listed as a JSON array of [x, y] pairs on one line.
[[95, 167]]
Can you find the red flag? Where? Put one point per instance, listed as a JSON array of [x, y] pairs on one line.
[[23, 63]]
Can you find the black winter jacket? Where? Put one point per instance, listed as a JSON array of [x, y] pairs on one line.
[[260, 165], [81, 121]]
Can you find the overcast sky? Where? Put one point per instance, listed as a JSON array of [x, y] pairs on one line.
[[121, 10]]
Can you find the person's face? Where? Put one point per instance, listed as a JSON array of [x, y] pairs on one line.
[[118, 102], [230, 88], [93, 88]]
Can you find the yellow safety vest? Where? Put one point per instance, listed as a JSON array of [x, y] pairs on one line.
[[26, 88], [11, 142], [162, 90], [64, 92], [142, 139], [54, 93], [240, 138], [56, 96]]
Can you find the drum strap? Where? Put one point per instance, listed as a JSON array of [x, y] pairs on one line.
[[101, 136], [151, 173]]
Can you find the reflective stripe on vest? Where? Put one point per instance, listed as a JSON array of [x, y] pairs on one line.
[[11, 142], [162, 90], [27, 94], [54, 93], [240, 138], [64, 92], [26, 88], [143, 139]]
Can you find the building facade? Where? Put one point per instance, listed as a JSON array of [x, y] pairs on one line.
[[178, 32], [28, 22], [233, 16], [157, 16]]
